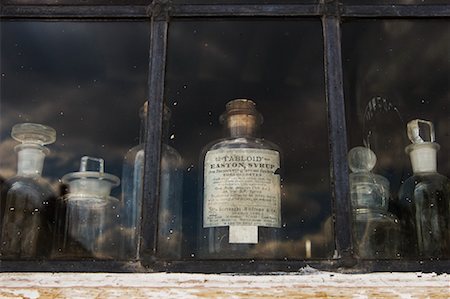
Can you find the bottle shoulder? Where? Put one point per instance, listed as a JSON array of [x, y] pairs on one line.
[[30, 185], [431, 179], [241, 142]]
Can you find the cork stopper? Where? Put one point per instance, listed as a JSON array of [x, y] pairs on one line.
[[241, 118]]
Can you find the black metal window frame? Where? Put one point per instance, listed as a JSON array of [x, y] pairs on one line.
[[159, 13]]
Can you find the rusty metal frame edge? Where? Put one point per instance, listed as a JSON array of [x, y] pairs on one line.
[[221, 10]]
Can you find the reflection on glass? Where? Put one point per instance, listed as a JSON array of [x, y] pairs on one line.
[[170, 220], [382, 93], [279, 63], [89, 228], [84, 79], [424, 198], [241, 194], [170, 205], [376, 232], [27, 200], [132, 188]]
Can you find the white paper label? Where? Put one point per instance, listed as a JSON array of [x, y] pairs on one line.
[[243, 234], [241, 189]]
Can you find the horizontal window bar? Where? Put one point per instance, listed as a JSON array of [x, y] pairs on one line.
[[371, 11], [231, 266], [75, 11], [222, 10], [246, 10]]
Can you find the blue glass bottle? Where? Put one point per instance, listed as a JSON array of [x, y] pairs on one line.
[[28, 200], [170, 204], [424, 199]]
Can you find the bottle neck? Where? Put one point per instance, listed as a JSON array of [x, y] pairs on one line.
[[242, 125], [30, 159]]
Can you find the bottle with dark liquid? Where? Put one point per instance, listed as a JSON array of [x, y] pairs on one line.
[[424, 199], [28, 201], [240, 215]]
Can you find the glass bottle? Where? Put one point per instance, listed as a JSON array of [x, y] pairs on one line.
[[424, 198], [27, 199], [376, 232], [170, 205], [240, 215], [90, 213]]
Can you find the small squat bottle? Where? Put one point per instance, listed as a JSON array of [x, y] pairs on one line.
[[240, 215], [27, 200], [170, 205], [91, 222], [424, 199], [376, 232]]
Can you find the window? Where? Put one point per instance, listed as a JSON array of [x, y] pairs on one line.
[[88, 80]]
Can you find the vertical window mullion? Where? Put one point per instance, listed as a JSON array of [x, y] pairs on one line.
[[157, 64], [337, 135]]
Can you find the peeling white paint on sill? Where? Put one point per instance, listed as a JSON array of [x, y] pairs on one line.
[[229, 281]]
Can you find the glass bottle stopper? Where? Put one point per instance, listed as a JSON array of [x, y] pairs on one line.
[[422, 153], [91, 180], [31, 152], [361, 159], [33, 133]]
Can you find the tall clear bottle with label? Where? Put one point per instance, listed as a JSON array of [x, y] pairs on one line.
[[170, 205], [240, 198], [376, 232], [28, 201], [424, 198], [88, 214]]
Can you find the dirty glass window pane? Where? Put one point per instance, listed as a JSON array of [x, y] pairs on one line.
[[87, 81], [278, 64], [397, 71]]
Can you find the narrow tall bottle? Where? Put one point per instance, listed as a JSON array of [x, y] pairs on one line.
[[376, 232], [28, 201], [170, 205], [424, 199], [240, 213], [90, 222]]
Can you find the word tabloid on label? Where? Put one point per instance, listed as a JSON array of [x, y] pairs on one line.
[[241, 188]]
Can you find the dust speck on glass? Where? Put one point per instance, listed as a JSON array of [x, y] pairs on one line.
[[397, 113]]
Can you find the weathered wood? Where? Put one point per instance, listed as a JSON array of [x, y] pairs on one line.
[[306, 284]]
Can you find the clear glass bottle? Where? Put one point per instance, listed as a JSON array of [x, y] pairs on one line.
[[90, 213], [240, 199], [424, 198], [28, 201], [170, 204], [376, 232]]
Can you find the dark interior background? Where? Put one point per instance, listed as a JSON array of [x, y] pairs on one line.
[[278, 63]]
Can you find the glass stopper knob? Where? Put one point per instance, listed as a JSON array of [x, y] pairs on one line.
[[361, 159]]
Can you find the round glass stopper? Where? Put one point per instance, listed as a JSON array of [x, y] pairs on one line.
[[361, 159]]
